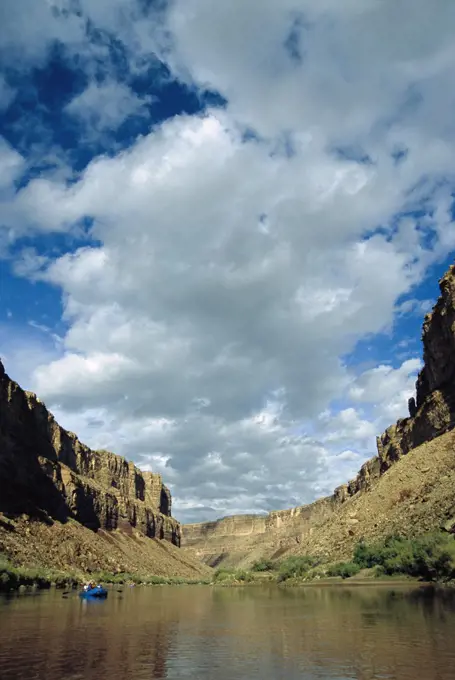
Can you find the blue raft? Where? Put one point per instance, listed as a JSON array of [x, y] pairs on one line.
[[98, 593]]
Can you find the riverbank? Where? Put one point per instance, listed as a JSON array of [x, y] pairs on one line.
[[27, 578], [15, 578], [427, 558], [397, 560], [364, 578]]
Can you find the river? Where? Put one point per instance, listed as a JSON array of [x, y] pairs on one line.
[[251, 633]]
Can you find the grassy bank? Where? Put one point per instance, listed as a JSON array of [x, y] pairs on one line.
[[145, 579], [240, 577], [429, 558], [13, 578]]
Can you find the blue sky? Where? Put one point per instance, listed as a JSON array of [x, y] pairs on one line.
[[218, 243]]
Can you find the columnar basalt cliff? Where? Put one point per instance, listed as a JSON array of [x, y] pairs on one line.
[[407, 487]]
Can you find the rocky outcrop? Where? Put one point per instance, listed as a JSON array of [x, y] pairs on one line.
[[47, 473], [365, 479], [432, 412], [431, 415]]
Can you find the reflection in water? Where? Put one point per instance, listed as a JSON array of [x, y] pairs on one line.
[[335, 633]]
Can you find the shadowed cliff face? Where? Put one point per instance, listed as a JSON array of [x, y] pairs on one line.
[[333, 523], [46, 472]]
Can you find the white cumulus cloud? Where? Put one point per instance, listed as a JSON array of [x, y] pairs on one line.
[[106, 106]]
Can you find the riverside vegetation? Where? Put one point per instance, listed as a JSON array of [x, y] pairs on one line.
[[430, 557], [15, 578]]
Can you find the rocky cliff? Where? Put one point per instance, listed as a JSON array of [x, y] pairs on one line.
[[432, 411], [47, 471], [54, 488], [408, 486], [240, 539]]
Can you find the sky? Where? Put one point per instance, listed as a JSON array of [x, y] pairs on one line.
[[221, 226]]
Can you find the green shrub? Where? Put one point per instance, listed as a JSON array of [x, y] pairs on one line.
[[224, 575], [296, 566], [343, 569], [367, 556], [430, 557], [263, 565], [8, 580], [11, 577], [108, 577]]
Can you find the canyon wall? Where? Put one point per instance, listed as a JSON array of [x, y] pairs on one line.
[[226, 540], [432, 411], [47, 473], [238, 540]]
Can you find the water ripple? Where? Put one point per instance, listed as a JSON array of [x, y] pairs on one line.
[[226, 633]]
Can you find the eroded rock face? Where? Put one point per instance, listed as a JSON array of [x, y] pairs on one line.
[[432, 412], [46, 471], [213, 541], [219, 541]]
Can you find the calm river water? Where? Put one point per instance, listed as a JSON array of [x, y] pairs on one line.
[[200, 632]]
